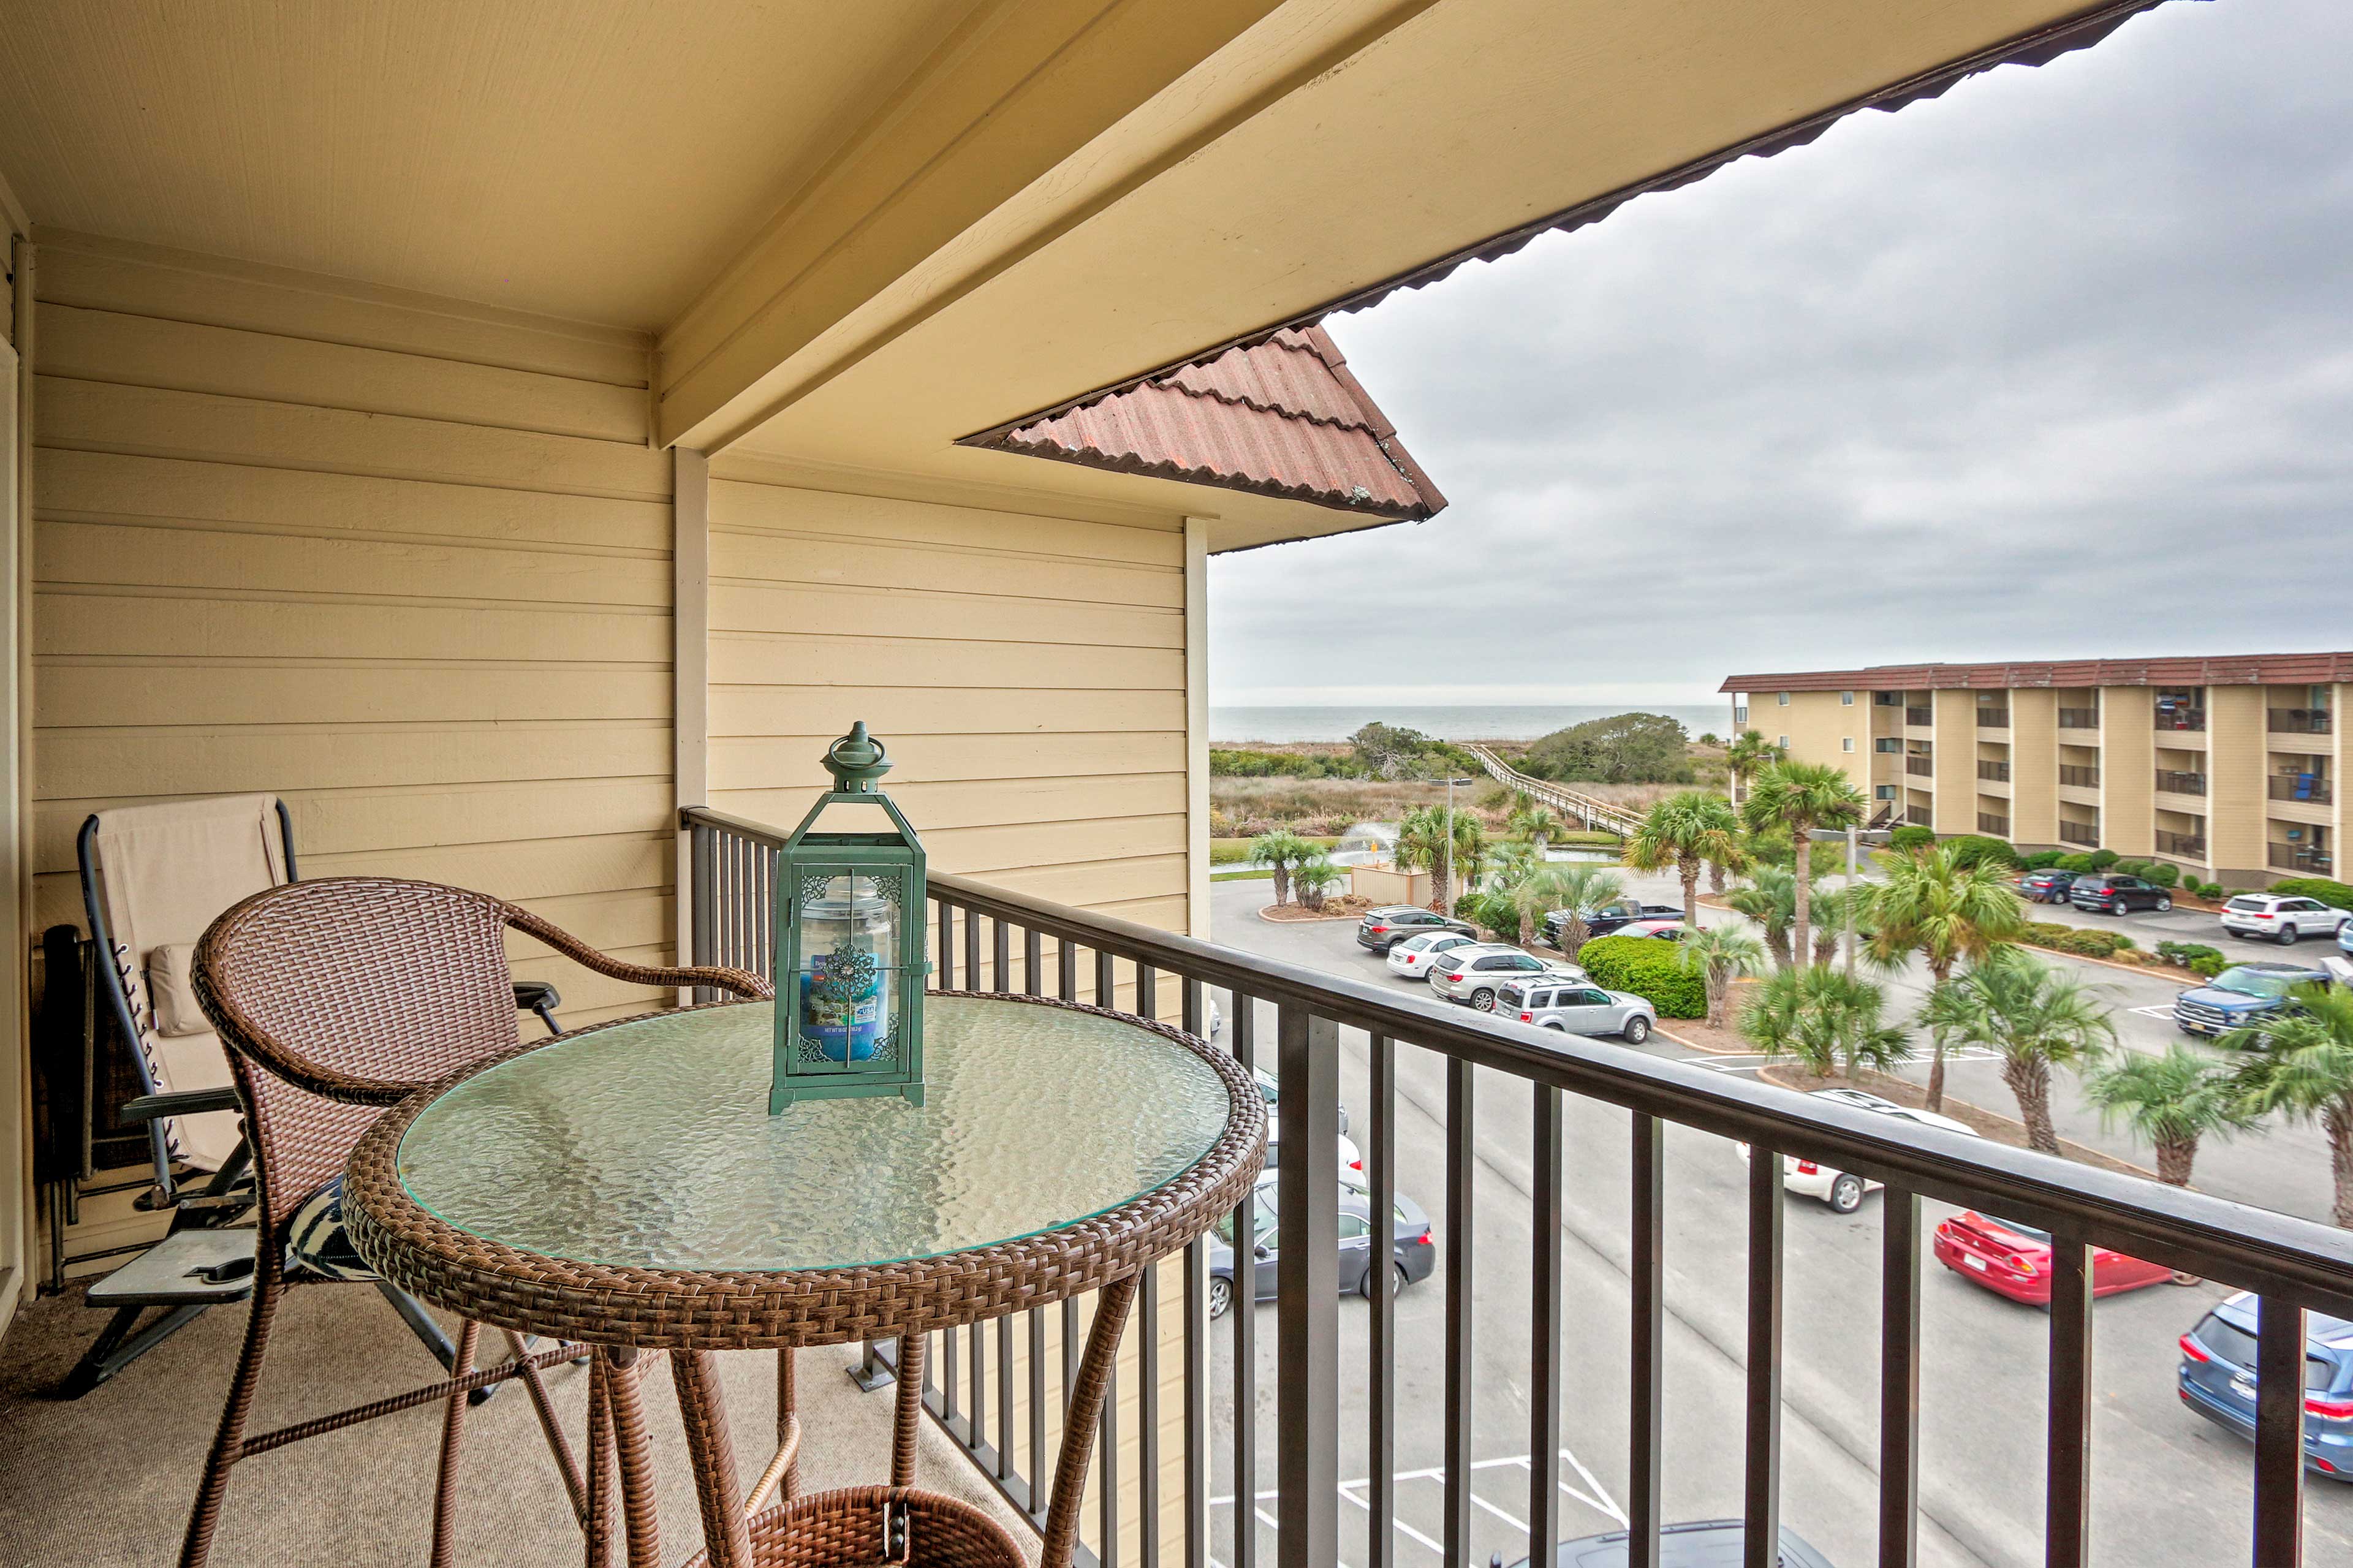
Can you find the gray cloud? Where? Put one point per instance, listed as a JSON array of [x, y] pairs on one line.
[[2059, 365]]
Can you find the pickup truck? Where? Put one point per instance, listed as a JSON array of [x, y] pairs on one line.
[[1609, 917], [2246, 993]]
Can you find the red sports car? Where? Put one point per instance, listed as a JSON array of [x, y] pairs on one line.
[[2014, 1258]]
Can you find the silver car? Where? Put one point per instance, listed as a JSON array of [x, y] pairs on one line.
[[1578, 1007], [1472, 975]]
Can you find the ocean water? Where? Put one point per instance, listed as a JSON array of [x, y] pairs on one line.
[[1232, 725]]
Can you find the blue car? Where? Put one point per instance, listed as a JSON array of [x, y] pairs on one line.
[[2218, 1380]]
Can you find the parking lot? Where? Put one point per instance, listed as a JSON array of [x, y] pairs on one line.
[[1982, 1384]]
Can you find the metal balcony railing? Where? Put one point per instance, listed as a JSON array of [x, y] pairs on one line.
[[1919, 716], [1917, 816], [1997, 826], [2080, 777], [2172, 781], [2080, 833], [2079, 718], [2308, 789], [987, 938], [1993, 718], [1922, 767], [2300, 720], [2188, 719], [2182, 846], [1997, 772], [2301, 857]]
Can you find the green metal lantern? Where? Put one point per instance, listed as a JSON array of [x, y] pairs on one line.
[[850, 959]]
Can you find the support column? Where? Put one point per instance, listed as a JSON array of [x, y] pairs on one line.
[[2034, 768], [2238, 769], [1956, 762], [2128, 771], [691, 663]]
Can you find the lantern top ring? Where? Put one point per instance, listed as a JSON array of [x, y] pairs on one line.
[[856, 761]]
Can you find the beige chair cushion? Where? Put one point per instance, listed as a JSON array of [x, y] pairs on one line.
[[172, 991]]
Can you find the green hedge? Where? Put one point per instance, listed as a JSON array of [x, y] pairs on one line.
[[1649, 968], [1911, 837], [1979, 848], [2089, 942], [2337, 895]]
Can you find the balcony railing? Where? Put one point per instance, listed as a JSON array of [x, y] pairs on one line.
[[2172, 781], [2300, 720], [1917, 816], [1922, 767], [2302, 788], [1919, 716], [987, 938], [1997, 772], [1997, 826], [1993, 718], [2079, 833], [2181, 718], [2182, 846], [2080, 777], [2079, 718], [2301, 857]]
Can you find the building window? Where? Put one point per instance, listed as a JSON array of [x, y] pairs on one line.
[[1882, 792], [1846, 743], [1782, 741], [1888, 743], [1846, 699], [1782, 698]]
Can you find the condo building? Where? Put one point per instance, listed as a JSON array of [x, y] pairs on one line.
[[2225, 767]]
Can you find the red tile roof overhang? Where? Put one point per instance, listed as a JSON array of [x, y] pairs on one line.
[[2242, 669]]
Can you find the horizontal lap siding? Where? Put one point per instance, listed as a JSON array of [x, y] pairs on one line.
[[408, 567], [1028, 673]]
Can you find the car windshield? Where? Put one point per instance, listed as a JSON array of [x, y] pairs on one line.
[[2246, 981]]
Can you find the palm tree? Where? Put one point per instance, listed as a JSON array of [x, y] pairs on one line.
[[1770, 897], [1722, 954], [1422, 845], [1314, 876], [1472, 849], [1582, 889], [1933, 905], [2170, 1101], [1512, 864], [2036, 1015], [1537, 894], [1800, 797], [1826, 1020], [2301, 1067], [1283, 849], [1749, 755], [1531, 817], [1684, 831]]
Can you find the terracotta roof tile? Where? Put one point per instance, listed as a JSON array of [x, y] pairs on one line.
[[2230, 669], [1282, 417]]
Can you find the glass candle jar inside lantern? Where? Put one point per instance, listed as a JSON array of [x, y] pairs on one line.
[[850, 946]]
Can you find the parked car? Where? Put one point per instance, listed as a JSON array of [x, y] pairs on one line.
[[1352, 1159], [2284, 920], [2113, 895], [2012, 1259], [2218, 1380], [1664, 929], [1697, 1543], [1606, 920], [1577, 1007], [1270, 1090], [1413, 1252], [1412, 957], [2045, 886], [1844, 1190], [1473, 976], [1384, 927], [2241, 995]]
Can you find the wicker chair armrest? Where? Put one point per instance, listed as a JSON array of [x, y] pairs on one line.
[[186, 1102], [740, 982]]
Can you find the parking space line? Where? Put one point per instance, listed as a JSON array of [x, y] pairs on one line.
[[2154, 1010], [1598, 1499], [1756, 1061]]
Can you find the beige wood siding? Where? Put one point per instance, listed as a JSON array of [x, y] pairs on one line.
[[404, 563]]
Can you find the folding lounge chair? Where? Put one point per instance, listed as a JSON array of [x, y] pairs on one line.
[[152, 878], [336, 998]]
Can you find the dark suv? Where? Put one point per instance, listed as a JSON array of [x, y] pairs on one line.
[[1383, 929], [2047, 887], [2113, 895]]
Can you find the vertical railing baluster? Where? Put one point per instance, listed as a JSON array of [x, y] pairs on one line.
[[972, 975], [1066, 964], [704, 875], [1244, 1311], [1647, 1354], [1899, 1380], [1000, 955], [1005, 1397], [1380, 1165], [1543, 1332], [1147, 992], [1197, 1403], [1070, 1364], [1461, 1173], [1033, 953], [1761, 1468], [1039, 1479], [944, 1359], [2066, 1533], [1106, 979], [977, 1398], [2279, 1432], [1147, 1417], [1107, 1458], [944, 957], [1307, 1293]]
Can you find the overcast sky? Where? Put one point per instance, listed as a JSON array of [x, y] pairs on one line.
[[2059, 365]]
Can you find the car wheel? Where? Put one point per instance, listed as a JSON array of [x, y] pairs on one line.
[[1221, 1295], [1556, 1026], [1636, 1030], [1846, 1195], [1483, 999], [2287, 936], [2162, 904]]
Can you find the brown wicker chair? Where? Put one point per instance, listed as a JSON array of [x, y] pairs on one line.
[[336, 998]]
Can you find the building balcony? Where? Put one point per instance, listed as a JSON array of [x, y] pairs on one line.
[[1919, 718], [1920, 767], [2172, 781], [2298, 721], [2300, 789], [2079, 718], [1918, 816], [2301, 857], [2082, 833], [1993, 718], [2182, 846], [2181, 721], [2079, 777], [1988, 770], [1997, 826]]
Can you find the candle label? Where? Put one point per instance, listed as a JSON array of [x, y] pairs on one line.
[[844, 1004]]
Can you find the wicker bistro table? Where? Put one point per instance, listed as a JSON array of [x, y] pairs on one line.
[[623, 1185]]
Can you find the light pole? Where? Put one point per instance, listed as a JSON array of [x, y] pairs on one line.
[[1856, 838], [1451, 782]]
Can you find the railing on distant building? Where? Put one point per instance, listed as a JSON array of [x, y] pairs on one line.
[[2191, 718], [1997, 826], [2304, 789], [1993, 718], [2079, 718], [2172, 781], [1998, 772], [2079, 833], [2079, 777], [2300, 720], [2301, 857], [1919, 716], [2182, 846], [1925, 767], [1917, 816]]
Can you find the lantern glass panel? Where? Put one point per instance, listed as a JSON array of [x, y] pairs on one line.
[[852, 992]]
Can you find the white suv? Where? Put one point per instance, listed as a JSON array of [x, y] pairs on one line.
[[1414, 955], [1843, 1190], [1473, 974], [2283, 920]]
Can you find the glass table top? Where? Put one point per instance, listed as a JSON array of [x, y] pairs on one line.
[[649, 1144]]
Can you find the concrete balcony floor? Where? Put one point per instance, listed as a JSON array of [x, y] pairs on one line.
[[107, 1479]]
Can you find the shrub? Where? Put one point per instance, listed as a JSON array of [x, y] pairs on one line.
[[2185, 953], [2075, 863], [2102, 859], [1495, 912], [1976, 848], [2164, 876], [1649, 969], [2337, 895], [2207, 965], [2043, 860], [2130, 869], [1911, 839], [2123, 942]]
